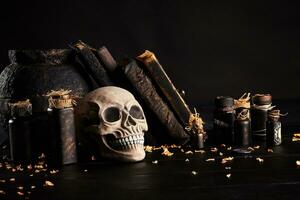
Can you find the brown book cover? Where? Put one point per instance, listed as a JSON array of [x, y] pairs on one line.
[[174, 99], [147, 91]]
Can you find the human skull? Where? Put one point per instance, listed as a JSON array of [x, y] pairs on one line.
[[118, 120]]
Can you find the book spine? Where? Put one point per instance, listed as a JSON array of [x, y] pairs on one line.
[[143, 85], [92, 64], [158, 74], [106, 59]]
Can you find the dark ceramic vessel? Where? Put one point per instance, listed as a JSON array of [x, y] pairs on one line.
[[32, 74]]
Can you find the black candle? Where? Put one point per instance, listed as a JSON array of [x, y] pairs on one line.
[[261, 103], [224, 116]]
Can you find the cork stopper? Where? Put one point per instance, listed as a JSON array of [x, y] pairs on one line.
[[60, 99], [21, 108]]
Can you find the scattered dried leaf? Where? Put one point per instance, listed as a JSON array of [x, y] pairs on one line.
[[54, 171], [166, 152], [260, 160], [225, 160], [148, 149], [251, 149], [48, 184], [189, 152], [210, 160], [200, 151], [270, 151]]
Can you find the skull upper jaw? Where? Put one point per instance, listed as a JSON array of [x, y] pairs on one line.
[[126, 155]]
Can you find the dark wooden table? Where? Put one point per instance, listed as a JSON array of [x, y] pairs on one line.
[[181, 176]]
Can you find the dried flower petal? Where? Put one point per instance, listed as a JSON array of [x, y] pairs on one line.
[[214, 149], [20, 193], [228, 159], [155, 162], [228, 175], [296, 134], [42, 156], [187, 160], [194, 173], [166, 152], [189, 152], [48, 183], [148, 149], [298, 162], [228, 168], [2, 192], [2, 181], [260, 160], [33, 187], [256, 147], [54, 171], [229, 148], [221, 154], [270, 151], [85, 170], [251, 149], [200, 151], [223, 145], [182, 150], [295, 139], [20, 187], [210, 160], [12, 179]]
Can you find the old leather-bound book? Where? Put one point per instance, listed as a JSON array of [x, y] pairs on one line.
[[91, 64], [145, 88], [173, 98]]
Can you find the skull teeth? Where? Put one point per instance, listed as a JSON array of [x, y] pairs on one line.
[[127, 142]]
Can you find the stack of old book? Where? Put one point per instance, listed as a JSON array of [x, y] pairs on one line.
[[169, 117]]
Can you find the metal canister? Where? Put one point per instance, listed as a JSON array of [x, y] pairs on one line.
[[261, 103], [224, 116], [62, 137], [20, 132]]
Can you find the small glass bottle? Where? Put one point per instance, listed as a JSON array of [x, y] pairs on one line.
[[242, 129], [63, 149], [20, 133], [224, 116], [273, 128]]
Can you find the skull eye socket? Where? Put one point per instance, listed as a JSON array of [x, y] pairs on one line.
[[136, 112], [112, 114]]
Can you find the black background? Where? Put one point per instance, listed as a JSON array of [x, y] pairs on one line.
[[208, 48]]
